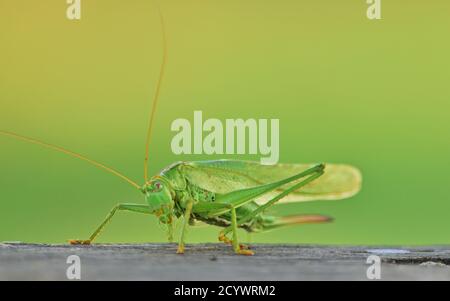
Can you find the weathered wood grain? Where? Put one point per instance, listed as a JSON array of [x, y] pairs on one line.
[[217, 262]]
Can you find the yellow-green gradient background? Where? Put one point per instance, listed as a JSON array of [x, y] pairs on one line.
[[346, 89]]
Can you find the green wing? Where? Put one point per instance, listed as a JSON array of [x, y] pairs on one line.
[[222, 176]]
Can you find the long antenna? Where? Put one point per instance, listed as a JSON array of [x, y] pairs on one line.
[[156, 96], [70, 153]]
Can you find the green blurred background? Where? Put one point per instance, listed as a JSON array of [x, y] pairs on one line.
[[346, 89]]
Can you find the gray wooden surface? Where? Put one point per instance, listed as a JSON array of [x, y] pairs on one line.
[[217, 262]]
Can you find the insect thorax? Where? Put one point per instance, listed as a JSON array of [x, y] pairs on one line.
[[185, 190], [173, 175], [200, 194]]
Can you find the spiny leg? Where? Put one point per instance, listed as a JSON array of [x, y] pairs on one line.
[[187, 216], [241, 197], [226, 202], [127, 207], [260, 209]]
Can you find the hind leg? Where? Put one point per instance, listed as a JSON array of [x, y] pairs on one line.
[[316, 174]]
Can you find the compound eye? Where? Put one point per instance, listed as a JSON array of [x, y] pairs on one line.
[[157, 187]]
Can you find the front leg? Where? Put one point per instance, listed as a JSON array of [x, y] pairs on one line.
[[119, 207], [187, 216]]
